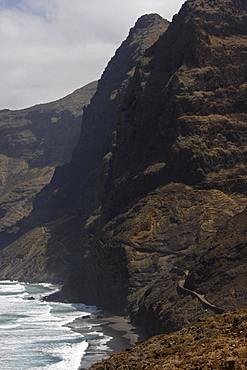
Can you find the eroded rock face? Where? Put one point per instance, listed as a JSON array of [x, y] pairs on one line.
[[33, 142], [42, 255], [224, 264], [182, 119], [146, 250], [79, 187]]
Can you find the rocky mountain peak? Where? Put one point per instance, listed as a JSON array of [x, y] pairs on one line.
[[147, 20]]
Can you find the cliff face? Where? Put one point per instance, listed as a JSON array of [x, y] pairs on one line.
[[79, 186], [33, 142], [136, 222], [76, 189], [184, 117], [178, 175]]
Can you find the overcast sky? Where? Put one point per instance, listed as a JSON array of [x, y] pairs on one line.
[[49, 48]]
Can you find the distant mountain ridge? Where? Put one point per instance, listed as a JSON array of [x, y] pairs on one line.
[[33, 142]]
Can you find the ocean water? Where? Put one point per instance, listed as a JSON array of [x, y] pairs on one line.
[[36, 334]]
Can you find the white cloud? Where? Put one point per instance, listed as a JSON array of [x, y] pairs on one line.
[[51, 47]]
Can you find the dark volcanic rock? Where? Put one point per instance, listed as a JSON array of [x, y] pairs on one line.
[[147, 249], [46, 133], [33, 142], [223, 267], [179, 121], [79, 186]]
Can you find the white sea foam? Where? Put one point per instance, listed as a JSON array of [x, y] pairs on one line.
[[34, 333]]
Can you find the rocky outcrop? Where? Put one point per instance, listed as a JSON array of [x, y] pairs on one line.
[[41, 254], [33, 142], [144, 251], [223, 267]]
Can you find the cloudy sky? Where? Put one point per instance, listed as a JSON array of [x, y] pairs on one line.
[[49, 48]]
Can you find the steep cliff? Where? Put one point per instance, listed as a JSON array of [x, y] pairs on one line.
[[143, 219], [177, 175], [184, 116], [76, 189], [33, 142]]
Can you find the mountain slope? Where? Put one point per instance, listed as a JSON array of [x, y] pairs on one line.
[[33, 142], [76, 189], [177, 175], [82, 190], [218, 343]]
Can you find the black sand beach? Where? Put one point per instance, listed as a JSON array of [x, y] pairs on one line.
[[123, 335]]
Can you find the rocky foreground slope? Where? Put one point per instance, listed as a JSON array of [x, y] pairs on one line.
[[218, 343], [149, 217], [33, 142]]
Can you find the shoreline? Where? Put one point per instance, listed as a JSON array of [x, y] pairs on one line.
[[104, 332], [123, 335]]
